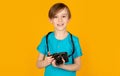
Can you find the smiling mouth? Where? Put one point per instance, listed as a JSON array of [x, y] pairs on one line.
[[60, 24]]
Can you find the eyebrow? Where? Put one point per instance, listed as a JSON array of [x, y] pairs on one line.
[[64, 14]]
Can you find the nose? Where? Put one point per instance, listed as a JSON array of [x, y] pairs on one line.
[[60, 19]]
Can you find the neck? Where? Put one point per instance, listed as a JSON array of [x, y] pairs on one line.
[[60, 34]]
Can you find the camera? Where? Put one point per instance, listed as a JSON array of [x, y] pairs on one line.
[[58, 57]]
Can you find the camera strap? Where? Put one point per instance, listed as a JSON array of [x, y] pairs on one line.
[[47, 42], [73, 46]]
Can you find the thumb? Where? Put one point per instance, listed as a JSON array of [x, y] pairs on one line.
[[63, 60], [48, 53]]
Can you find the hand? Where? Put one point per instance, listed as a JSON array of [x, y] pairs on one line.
[[48, 60], [53, 63]]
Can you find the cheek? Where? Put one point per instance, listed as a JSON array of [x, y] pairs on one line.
[[52, 21], [66, 20]]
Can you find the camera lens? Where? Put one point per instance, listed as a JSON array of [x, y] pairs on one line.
[[59, 60]]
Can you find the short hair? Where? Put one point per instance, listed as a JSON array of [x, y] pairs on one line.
[[56, 8]]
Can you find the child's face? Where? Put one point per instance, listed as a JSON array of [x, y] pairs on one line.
[[60, 20]]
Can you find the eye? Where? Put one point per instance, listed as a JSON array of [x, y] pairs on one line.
[[63, 16]]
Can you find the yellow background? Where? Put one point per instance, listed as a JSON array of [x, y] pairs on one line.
[[95, 22]]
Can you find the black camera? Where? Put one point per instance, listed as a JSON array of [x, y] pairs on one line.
[[58, 57]]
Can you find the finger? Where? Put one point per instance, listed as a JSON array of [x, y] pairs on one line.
[[48, 53], [53, 63], [49, 61], [63, 60], [52, 59]]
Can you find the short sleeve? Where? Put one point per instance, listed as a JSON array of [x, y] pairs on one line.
[[42, 46], [77, 51]]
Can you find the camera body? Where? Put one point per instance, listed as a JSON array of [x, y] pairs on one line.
[[58, 57]]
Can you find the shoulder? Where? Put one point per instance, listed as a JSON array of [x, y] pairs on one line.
[[49, 35]]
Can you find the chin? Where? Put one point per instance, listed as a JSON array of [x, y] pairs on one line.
[[60, 29]]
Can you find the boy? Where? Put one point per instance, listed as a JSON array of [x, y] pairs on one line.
[[59, 41]]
